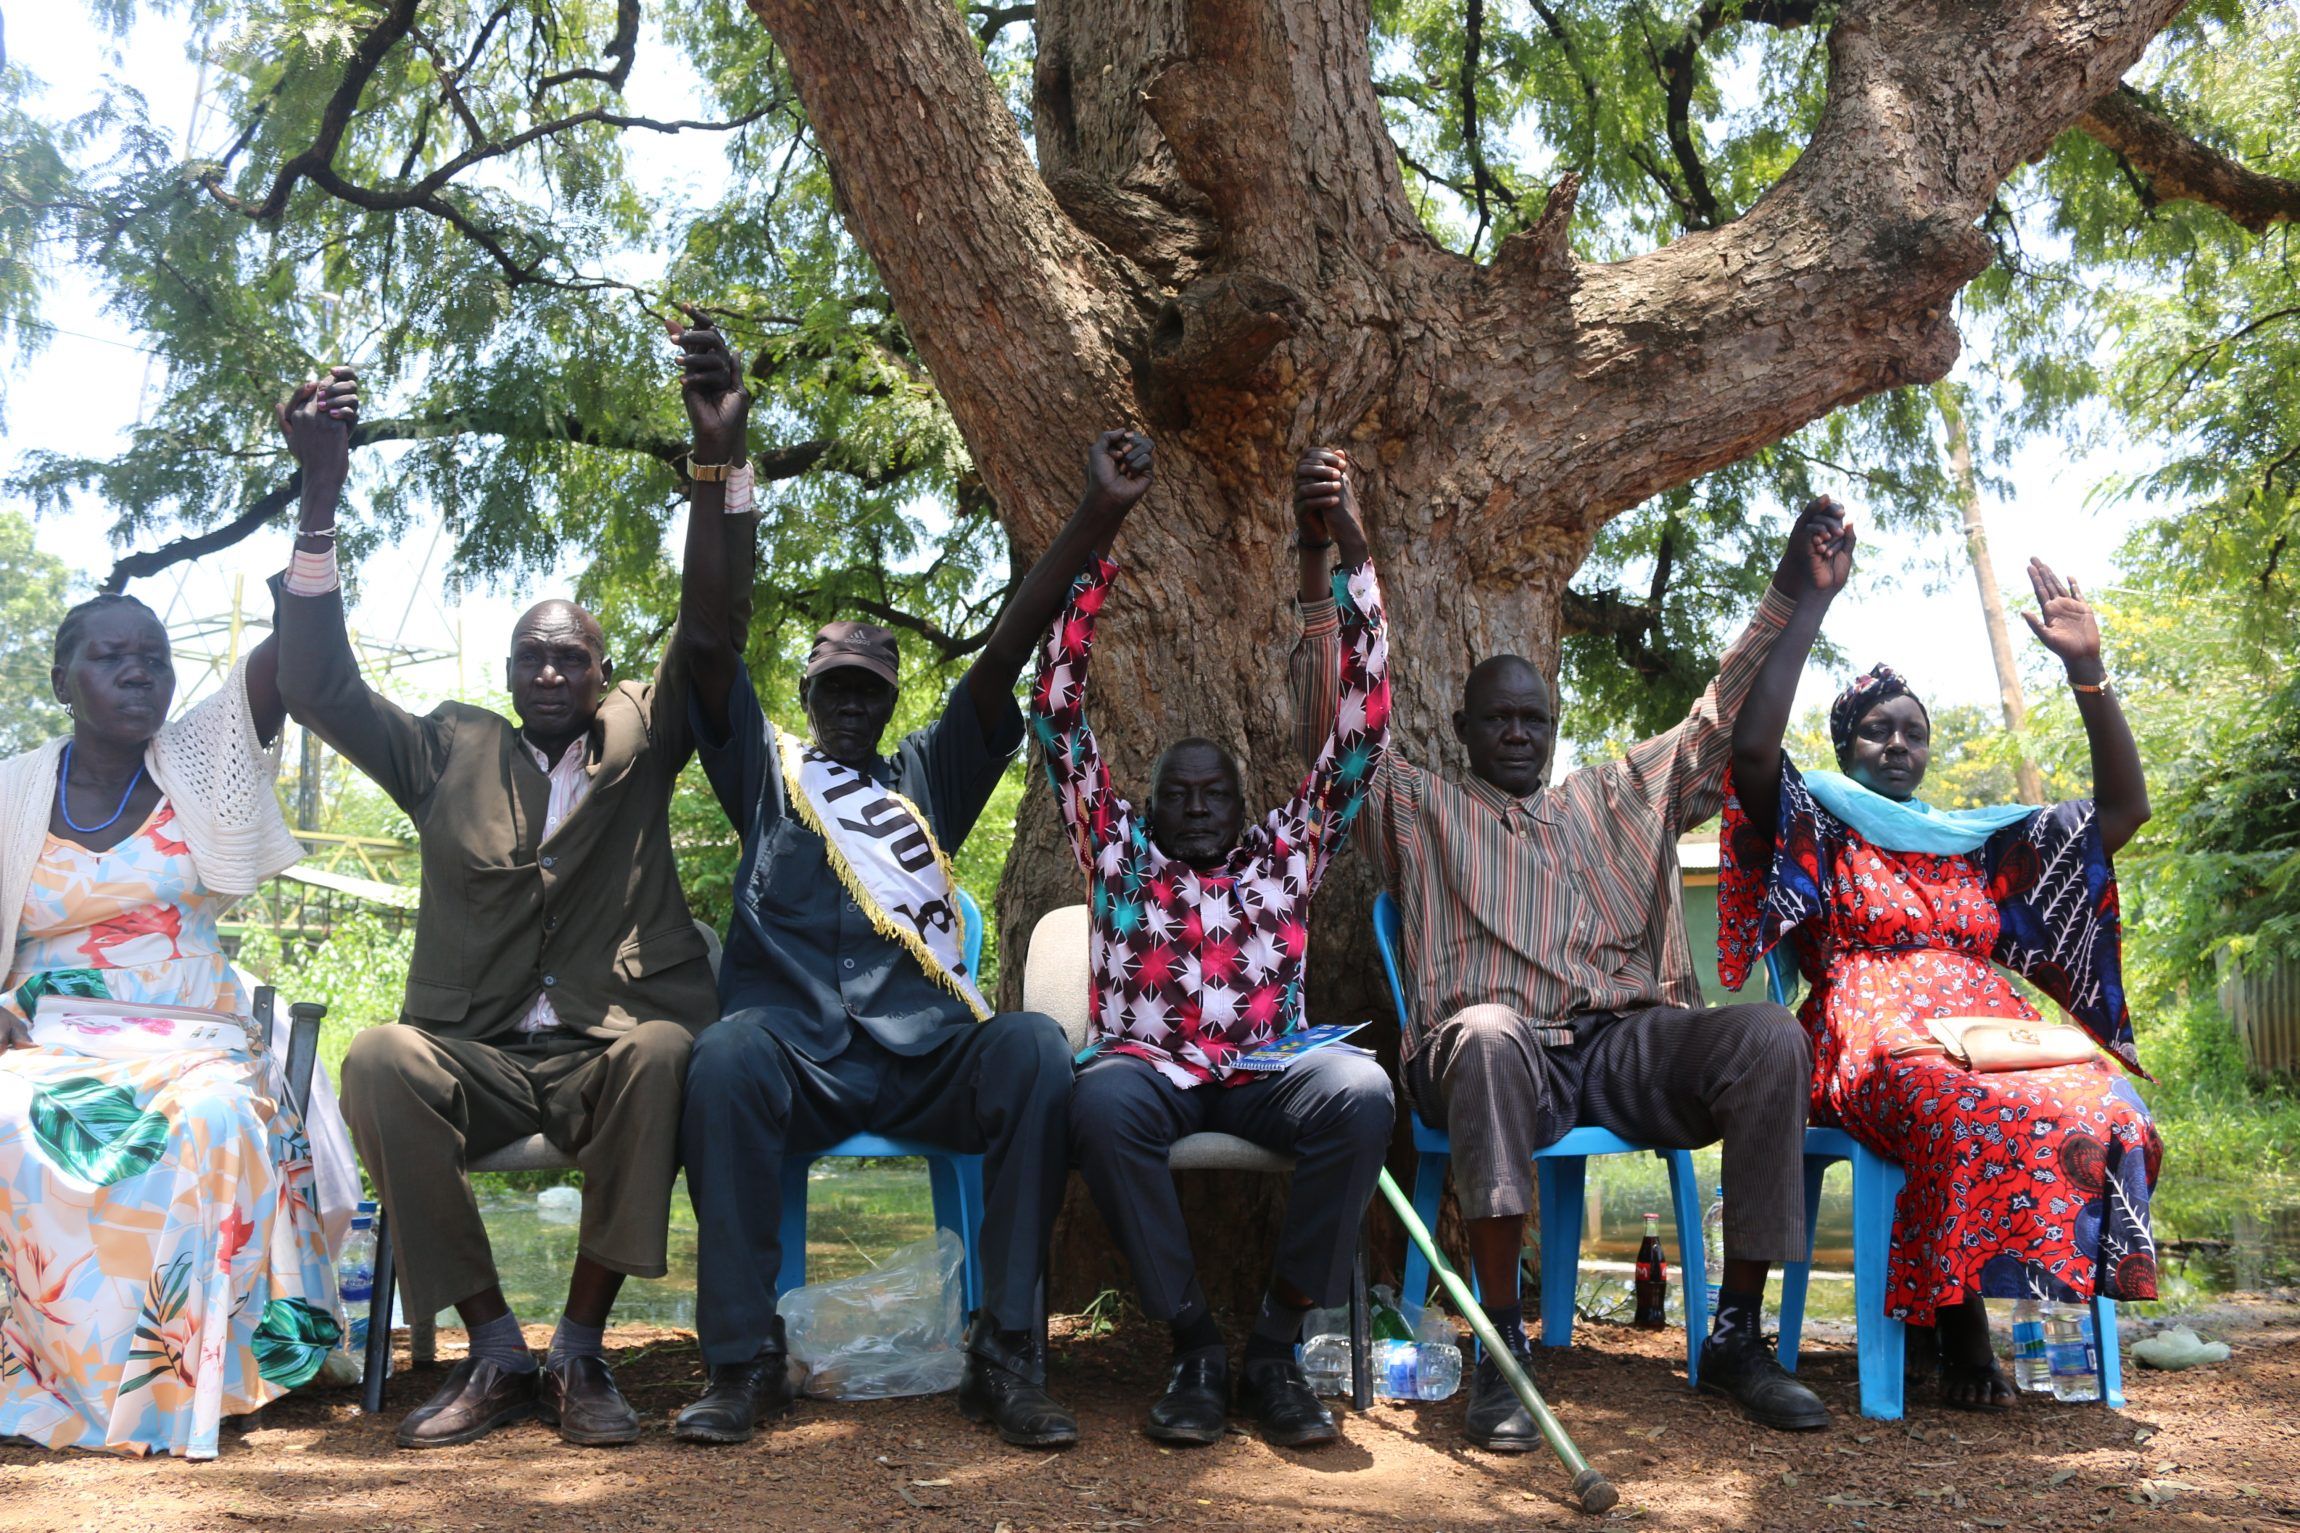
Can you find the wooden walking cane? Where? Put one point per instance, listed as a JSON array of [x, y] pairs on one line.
[[1591, 1489]]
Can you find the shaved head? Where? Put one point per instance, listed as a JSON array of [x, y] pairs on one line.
[[1512, 671], [556, 673], [1507, 723], [557, 614], [1197, 802]]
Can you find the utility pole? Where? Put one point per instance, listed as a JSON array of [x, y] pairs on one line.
[[1985, 576]]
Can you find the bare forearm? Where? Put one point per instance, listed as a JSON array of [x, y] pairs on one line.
[[2119, 788], [1763, 719]]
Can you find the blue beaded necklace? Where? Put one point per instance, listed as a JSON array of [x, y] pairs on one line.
[[64, 804]]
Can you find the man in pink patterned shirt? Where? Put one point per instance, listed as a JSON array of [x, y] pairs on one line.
[[1200, 936]]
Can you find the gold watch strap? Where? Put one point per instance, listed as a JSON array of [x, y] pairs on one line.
[[708, 473]]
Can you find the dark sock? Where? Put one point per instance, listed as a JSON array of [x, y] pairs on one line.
[[1195, 1332], [575, 1339], [1739, 1319], [1509, 1319], [1260, 1348], [1276, 1328], [500, 1342]]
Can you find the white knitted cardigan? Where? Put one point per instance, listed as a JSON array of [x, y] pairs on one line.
[[215, 771]]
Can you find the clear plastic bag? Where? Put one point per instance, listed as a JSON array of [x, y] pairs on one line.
[[896, 1330]]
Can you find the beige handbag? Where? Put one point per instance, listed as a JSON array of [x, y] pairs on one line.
[[1987, 1045]]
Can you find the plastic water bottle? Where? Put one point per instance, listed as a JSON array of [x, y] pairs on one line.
[[1713, 1247], [355, 1276], [1415, 1370], [2032, 1370], [2069, 1347], [1326, 1363]]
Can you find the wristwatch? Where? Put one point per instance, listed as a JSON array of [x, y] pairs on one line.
[[708, 473]]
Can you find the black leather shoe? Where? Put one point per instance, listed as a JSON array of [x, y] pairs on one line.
[[1747, 1373], [1273, 1391], [1498, 1420], [1007, 1389], [477, 1398], [1195, 1410], [739, 1396], [579, 1397]]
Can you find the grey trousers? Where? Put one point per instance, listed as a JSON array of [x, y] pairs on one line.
[[421, 1108], [1000, 1090], [1666, 1076], [1331, 1109]]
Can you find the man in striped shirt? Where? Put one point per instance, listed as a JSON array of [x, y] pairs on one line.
[[1550, 981]]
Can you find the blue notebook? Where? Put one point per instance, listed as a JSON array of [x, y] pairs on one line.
[[1281, 1052]]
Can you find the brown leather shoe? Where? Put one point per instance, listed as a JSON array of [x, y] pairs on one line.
[[581, 1400], [477, 1398]]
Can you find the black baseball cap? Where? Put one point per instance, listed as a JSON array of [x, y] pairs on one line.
[[865, 645]]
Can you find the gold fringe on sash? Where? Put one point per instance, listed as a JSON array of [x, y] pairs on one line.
[[882, 923]]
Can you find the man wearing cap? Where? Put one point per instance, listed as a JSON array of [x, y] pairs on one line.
[[847, 1005]]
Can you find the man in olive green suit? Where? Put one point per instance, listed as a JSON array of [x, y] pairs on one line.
[[557, 978]]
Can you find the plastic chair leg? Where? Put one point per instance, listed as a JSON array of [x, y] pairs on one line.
[[793, 1235], [1797, 1276], [1876, 1186], [953, 1212], [377, 1364], [970, 1179], [1692, 1261], [1561, 1180], [1429, 1191], [2111, 1353]]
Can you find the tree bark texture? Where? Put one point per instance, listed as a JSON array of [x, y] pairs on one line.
[[1214, 243]]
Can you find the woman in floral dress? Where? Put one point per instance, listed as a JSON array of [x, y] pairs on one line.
[[2027, 1183], [157, 1214]]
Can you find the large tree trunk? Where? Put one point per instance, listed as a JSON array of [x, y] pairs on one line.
[[1216, 245]]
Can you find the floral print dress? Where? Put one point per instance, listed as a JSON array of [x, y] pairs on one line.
[[157, 1216], [2028, 1183]]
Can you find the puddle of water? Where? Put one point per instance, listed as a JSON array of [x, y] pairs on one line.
[[2213, 1238]]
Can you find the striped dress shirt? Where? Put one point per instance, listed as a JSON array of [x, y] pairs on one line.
[[570, 785], [1561, 902]]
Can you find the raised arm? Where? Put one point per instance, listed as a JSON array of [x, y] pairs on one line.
[[1093, 815], [1821, 549], [715, 570], [1682, 772], [318, 678], [1117, 477], [1343, 770], [2065, 624], [317, 420]]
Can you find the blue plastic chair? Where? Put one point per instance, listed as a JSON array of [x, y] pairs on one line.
[[1560, 1176], [1877, 1185], [956, 1179]]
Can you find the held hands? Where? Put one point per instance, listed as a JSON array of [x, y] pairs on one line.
[[1117, 472], [1819, 557], [1326, 503], [317, 421], [2064, 622], [711, 387]]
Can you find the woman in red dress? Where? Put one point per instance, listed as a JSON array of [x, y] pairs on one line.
[[2026, 1183]]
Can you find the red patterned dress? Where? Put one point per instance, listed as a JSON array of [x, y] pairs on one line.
[[2020, 1183]]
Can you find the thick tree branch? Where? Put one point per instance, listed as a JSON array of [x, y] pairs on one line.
[[1836, 284], [1228, 109], [2174, 167], [939, 188]]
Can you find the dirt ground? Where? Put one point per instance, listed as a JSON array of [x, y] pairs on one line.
[[2216, 1447]]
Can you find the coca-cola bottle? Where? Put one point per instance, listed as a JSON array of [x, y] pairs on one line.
[[1652, 1279]]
